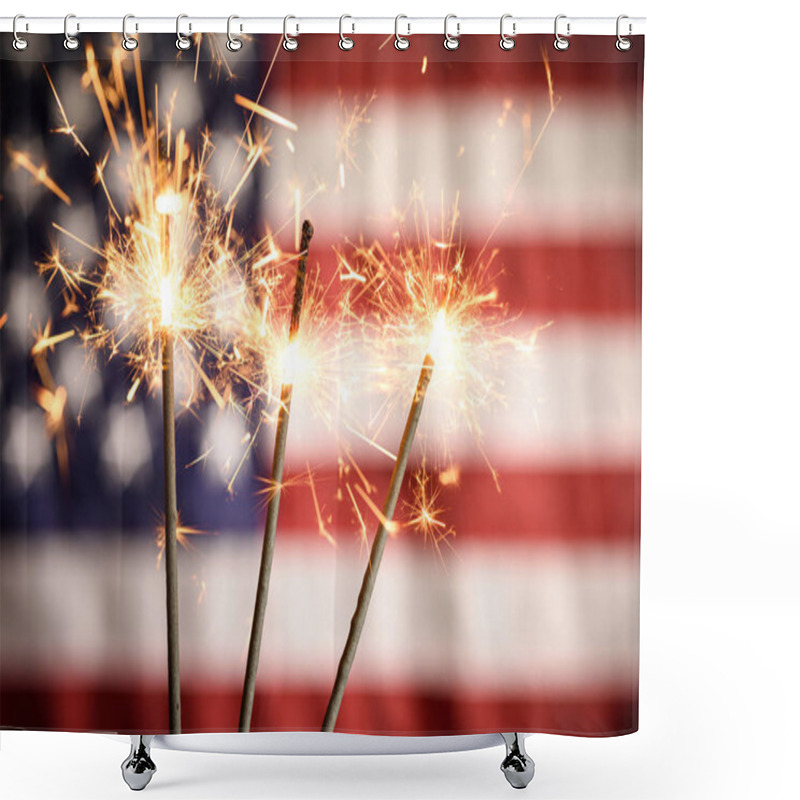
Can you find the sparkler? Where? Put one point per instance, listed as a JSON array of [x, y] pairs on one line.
[[429, 282], [381, 535], [426, 295], [167, 205], [169, 277], [270, 525]]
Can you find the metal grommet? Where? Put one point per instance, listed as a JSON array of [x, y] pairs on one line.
[[451, 42], [234, 44], [128, 42], [507, 42], [70, 41], [289, 42], [19, 43], [561, 43], [345, 42], [401, 42], [182, 42], [623, 44]]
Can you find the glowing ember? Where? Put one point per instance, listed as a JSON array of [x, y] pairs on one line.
[[169, 203]]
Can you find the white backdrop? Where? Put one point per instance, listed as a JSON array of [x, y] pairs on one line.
[[720, 545]]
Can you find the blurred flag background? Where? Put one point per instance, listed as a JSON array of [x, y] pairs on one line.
[[526, 616]]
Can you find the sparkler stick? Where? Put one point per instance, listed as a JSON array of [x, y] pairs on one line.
[[378, 546], [170, 491], [171, 533], [271, 523]]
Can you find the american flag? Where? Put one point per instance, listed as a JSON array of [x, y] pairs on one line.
[[529, 619]]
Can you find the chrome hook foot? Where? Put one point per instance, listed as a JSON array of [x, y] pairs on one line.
[[138, 768], [517, 766]]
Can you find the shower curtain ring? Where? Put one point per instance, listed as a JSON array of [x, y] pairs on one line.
[[345, 42], [561, 43], [289, 42], [128, 42], [451, 42], [70, 41], [401, 42], [234, 43], [623, 44], [182, 42], [507, 42], [19, 43]]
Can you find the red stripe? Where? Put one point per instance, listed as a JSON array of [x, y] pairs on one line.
[[591, 64], [567, 508], [596, 279], [141, 707], [587, 279]]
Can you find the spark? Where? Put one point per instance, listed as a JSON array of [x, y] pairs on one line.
[[52, 399], [171, 262], [70, 275], [46, 341], [133, 389], [450, 476], [201, 586], [323, 530], [39, 173], [391, 526], [77, 239], [183, 534], [553, 102], [430, 294], [362, 527], [312, 360], [52, 403], [426, 516], [67, 128], [266, 113], [350, 119], [100, 93]]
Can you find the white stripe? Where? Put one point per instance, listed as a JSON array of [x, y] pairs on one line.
[[583, 180], [498, 619], [574, 401]]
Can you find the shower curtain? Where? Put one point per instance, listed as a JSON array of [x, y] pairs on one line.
[[250, 298]]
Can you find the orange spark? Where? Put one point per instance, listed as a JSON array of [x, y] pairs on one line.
[[265, 112], [45, 341], [39, 174], [391, 526], [323, 531]]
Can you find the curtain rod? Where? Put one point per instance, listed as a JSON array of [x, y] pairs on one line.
[[408, 26]]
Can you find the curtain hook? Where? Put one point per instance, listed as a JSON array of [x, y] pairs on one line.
[[507, 42], [70, 42], [234, 43], [345, 42], [623, 44], [401, 42], [451, 42], [182, 43], [19, 43], [561, 43], [289, 42], [128, 42]]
